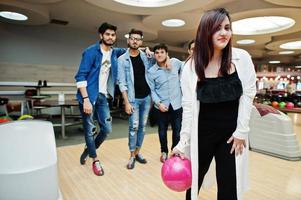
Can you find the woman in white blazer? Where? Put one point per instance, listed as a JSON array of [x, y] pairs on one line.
[[218, 86]]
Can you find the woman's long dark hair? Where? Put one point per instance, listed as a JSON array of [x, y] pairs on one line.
[[204, 50]]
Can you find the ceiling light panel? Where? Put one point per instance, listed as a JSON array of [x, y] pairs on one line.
[[291, 45], [246, 41], [261, 25], [13, 16], [173, 23], [274, 61], [286, 52], [149, 3]]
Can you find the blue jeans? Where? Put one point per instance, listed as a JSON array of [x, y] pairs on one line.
[[175, 118], [101, 113], [137, 122]]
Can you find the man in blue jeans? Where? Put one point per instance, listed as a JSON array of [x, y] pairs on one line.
[[95, 79], [132, 81], [164, 79]]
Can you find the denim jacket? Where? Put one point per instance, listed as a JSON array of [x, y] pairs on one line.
[[126, 73], [89, 70]]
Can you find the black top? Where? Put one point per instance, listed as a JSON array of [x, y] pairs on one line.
[[219, 101], [141, 87], [220, 89]]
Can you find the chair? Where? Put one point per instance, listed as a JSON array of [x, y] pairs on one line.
[[28, 168], [3, 108], [17, 108]]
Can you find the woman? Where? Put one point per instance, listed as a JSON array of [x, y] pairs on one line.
[[218, 85]]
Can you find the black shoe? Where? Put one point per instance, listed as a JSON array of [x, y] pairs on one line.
[[84, 156], [140, 159], [131, 163]]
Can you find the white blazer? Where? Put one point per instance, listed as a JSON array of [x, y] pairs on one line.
[[188, 143]]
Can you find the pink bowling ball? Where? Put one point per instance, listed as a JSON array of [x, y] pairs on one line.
[[290, 105], [176, 173]]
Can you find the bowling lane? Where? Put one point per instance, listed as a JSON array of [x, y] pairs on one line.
[[296, 119], [270, 178]]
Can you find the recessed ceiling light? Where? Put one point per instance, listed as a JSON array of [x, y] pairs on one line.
[[149, 3], [173, 22], [246, 41], [274, 61], [291, 45], [261, 25], [286, 52], [13, 15]]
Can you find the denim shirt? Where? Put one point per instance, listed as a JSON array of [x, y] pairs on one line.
[[89, 70], [126, 77], [165, 84]]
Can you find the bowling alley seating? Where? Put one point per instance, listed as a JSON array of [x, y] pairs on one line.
[[272, 133], [28, 168], [17, 108]]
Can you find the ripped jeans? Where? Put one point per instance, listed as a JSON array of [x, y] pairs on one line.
[[101, 113], [137, 122]]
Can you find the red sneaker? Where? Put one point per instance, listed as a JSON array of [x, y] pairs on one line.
[[97, 168]]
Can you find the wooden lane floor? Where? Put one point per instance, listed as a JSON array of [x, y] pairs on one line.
[[270, 178]]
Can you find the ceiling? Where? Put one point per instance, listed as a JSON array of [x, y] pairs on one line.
[[89, 14]]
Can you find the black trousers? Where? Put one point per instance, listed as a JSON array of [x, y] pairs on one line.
[[174, 117], [214, 144]]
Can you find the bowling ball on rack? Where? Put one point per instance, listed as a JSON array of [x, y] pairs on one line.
[[282, 104], [275, 104], [289, 105], [299, 104]]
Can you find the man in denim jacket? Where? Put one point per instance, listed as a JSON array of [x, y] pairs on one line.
[[132, 81], [96, 78]]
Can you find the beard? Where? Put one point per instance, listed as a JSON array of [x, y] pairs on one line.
[[108, 43], [134, 47]]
